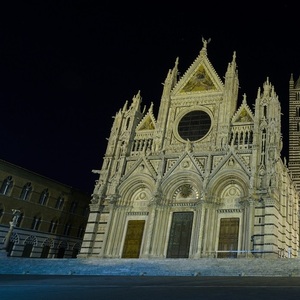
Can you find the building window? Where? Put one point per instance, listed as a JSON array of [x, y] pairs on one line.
[[67, 229], [19, 220], [86, 211], [80, 231], [44, 197], [59, 202], [53, 226], [6, 185], [26, 191], [73, 207], [36, 223]]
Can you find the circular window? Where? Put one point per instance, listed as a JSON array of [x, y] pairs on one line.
[[194, 125]]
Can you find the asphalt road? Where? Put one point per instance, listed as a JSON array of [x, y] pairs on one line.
[[44, 287]]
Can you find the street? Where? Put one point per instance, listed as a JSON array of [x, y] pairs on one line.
[[46, 287]]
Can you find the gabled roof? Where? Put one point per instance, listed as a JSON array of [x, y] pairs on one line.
[[141, 166], [200, 77], [231, 161], [243, 114], [185, 163], [148, 122]]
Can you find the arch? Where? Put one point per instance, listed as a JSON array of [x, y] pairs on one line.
[[221, 184], [63, 244], [75, 250], [46, 245], [48, 242], [14, 238], [7, 185], [31, 240], [62, 247], [36, 221], [137, 187], [175, 182]]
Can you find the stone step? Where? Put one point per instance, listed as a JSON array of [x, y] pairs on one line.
[[152, 267]]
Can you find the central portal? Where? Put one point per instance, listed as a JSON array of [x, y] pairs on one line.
[[228, 238], [180, 235]]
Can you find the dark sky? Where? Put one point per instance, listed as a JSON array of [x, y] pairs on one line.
[[66, 67]]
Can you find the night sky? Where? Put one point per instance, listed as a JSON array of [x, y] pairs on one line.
[[66, 67]]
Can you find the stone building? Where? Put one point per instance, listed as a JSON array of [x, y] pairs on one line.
[[294, 131], [203, 178], [39, 217]]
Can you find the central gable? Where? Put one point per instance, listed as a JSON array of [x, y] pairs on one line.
[[200, 81], [201, 77]]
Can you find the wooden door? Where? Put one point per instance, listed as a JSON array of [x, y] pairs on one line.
[[133, 239], [180, 235], [228, 237]]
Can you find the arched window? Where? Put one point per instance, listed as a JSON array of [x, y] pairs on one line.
[[19, 220], [86, 211], [6, 185], [59, 202], [36, 222], [44, 197], [67, 229], [26, 191], [53, 226], [73, 207], [80, 231]]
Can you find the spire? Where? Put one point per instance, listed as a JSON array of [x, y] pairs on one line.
[[232, 66], [136, 101], [125, 106], [297, 86]]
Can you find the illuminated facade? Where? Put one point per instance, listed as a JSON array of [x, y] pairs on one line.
[[204, 178]]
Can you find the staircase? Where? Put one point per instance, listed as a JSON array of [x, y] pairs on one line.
[[284, 267]]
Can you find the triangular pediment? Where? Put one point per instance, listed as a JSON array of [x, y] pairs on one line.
[[184, 163], [148, 122], [243, 114], [231, 161], [141, 166], [201, 77], [199, 81]]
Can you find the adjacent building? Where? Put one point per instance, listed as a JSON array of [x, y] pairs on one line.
[[203, 178], [294, 131], [39, 217]]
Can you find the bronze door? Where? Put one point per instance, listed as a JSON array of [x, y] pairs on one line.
[[180, 235], [133, 239], [228, 237]]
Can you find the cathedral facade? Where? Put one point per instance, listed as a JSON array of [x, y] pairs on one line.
[[203, 178]]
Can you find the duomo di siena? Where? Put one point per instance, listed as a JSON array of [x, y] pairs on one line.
[[203, 178]]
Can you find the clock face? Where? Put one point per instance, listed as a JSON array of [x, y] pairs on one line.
[[194, 125]]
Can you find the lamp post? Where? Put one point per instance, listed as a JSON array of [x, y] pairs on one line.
[[12, 224]]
